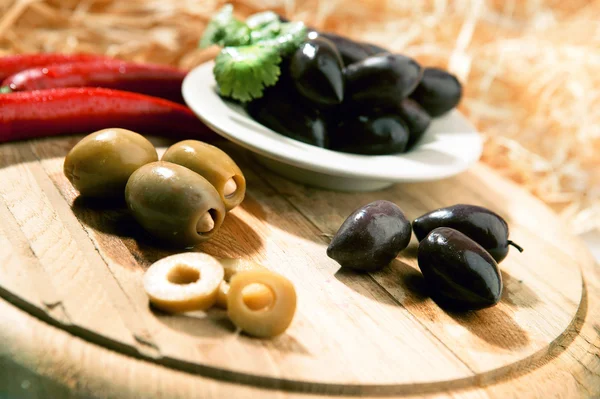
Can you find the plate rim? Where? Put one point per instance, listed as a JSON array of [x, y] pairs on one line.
[[198, 75]]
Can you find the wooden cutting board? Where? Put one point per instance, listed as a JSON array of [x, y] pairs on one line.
[[79, 264]]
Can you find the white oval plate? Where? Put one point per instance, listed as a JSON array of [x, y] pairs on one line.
[[448, 147]]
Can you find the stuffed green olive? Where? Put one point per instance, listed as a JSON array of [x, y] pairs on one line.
[[100, 164], [174, 204], [214, 165]]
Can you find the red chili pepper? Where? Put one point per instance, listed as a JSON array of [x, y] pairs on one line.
[[15, 63], [42, 113], [154, 80]]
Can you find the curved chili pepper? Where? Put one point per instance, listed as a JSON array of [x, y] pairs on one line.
[[150, 79], [12, 64], [42, 113]]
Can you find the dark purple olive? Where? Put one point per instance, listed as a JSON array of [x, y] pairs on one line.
[[350, 50], [372, 132], [382, 79], [282, 110], [371, 237], [316, 69], [460, 274], [375, 49], [438, 92], [485, 227], [416, 119]]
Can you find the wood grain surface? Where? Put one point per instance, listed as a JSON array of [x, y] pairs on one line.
[[78, 265]]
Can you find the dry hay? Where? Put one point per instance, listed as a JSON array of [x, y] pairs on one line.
[[529, 66]]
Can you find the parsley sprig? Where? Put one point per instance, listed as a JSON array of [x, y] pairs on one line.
[[252, 51]]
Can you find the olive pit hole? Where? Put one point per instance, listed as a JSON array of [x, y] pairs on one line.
[[231, 186], [182, 274], [206, 222], [258, 297]]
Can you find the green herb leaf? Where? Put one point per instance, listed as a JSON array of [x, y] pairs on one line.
[[290, 37], [225, 30], [264, 25], [215, 30], [262, 19], [252, 51], [236, 34], [242, 73]]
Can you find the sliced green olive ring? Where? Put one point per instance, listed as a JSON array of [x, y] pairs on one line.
[[184, 282], [214, 165], [256, 296], [267, 322]]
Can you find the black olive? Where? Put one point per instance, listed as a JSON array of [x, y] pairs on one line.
[[282, 110], [316, 68], [371, 132], [485, 227], [461, 275], [382, 79], [416, 119], [375, 49], [371, 237], [438, 92], [351, 50]]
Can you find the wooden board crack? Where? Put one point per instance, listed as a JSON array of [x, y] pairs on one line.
[[33, 274], [67, 220], [144, 342]]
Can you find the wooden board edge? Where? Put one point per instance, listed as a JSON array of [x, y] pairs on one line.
[[519, 368]]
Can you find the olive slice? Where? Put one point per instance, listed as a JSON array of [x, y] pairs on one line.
[[256, 296], [184, 282], [267, 322]]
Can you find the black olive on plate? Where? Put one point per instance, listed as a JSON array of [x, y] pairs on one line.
[[485, 227], [438, 92], [351, 50], [416, 119], [374, 49], [282, 110], [372, 132], [316, 69], [371, 237], [382, 79], [461, 275]]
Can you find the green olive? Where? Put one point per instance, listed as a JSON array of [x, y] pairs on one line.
[[214, 165], [174, 203], [100, 164]]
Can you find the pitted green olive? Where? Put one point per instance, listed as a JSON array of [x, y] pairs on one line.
[[100, 164], [214, 165], [174, 203]]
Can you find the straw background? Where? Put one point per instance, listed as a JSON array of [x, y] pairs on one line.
[[531, 68]]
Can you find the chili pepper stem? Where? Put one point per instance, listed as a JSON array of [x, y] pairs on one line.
[[5, 90]]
